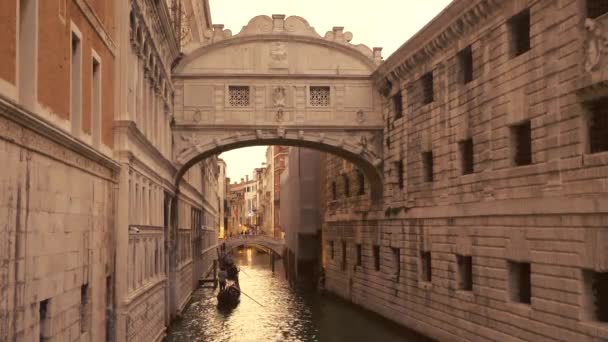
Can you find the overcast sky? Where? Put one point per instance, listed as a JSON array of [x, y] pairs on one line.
[[383, 23]]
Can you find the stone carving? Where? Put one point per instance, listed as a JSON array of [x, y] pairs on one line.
[[197, 116], [278, 56], [281, 132], [595, 44], [278, 97], [280, 114], [360, 116]]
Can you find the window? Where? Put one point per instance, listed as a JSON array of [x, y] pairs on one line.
[[343, 255], [522, 143], [376, 251], [519, 282], [519, 26], [319, 96], [28, 27], [465, 58], [427, 87], [399, 170], [96, 102], [76, 84], [331, 249], [84, 308], [396, 262], [346, 185], [238, 96], [43, 311], [466, 156], [598, 126], [465, 272], [398, 105], [596, 8], [596, 294], [334, 191], [427, 166], [361, 181], [359, 256], [426, 270]]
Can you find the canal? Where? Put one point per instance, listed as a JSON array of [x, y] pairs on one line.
[[284, 314]]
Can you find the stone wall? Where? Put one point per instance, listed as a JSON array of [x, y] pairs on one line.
[[56, 251], [504, 250]]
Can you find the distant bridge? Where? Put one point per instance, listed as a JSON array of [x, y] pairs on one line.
[[276, 245]]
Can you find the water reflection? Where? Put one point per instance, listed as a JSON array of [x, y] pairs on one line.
[[284, 314]]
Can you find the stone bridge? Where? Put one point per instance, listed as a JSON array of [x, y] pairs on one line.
[[279, 82], [276, 245]]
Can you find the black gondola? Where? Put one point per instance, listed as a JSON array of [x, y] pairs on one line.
[[229, 297]]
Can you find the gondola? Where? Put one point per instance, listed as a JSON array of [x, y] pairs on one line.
[[229, 297], [233, 273]]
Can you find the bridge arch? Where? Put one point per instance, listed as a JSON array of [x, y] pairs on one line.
[[256, 241]]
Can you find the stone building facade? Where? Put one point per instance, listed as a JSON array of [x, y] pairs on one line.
[[493, 225], [90, 249]]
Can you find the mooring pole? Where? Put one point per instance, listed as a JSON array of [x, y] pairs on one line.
[[272, 261], [215, 274]]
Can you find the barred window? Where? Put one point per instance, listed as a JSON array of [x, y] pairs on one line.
[[398, 105], [465, 57], [427, 166], [467, 156], [319, 96], [427, 87], [522, 143], [426, 269], [596, 8], [519, 26], [598, 126], [239, 96]]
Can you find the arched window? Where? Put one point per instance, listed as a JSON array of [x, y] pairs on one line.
[[361, 181], [346, 185]]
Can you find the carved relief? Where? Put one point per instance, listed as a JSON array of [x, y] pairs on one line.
[[278, 56], [595, 45], [360, 116], [278, 97]]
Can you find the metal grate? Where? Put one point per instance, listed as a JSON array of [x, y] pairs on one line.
[[427, 166], [397, 262], [398, 105], [519, 26], [359, 255], [343, 255], [596, 8], [466, 155], [598, 126], [319, 96], [523, 143], [238, 96], [465, 57], [426, 82], [334, 192]]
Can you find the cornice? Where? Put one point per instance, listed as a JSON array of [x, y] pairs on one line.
[[460, 17], [198, 76], [132, 131], [46, 129], [97, 25], [276, 37]]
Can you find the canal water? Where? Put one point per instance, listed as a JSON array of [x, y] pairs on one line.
[[283, 314]]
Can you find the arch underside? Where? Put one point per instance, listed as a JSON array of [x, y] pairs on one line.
[[362, 148], [258, 245]]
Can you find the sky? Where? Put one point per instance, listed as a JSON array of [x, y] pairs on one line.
[[383, 23]]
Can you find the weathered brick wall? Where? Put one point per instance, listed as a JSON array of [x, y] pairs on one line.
[[55, 237], [551, 214]]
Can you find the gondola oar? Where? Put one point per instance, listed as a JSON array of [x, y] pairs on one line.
[[252, 298]]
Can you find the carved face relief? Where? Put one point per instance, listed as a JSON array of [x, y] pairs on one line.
[[278, 53], [360, 116]]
